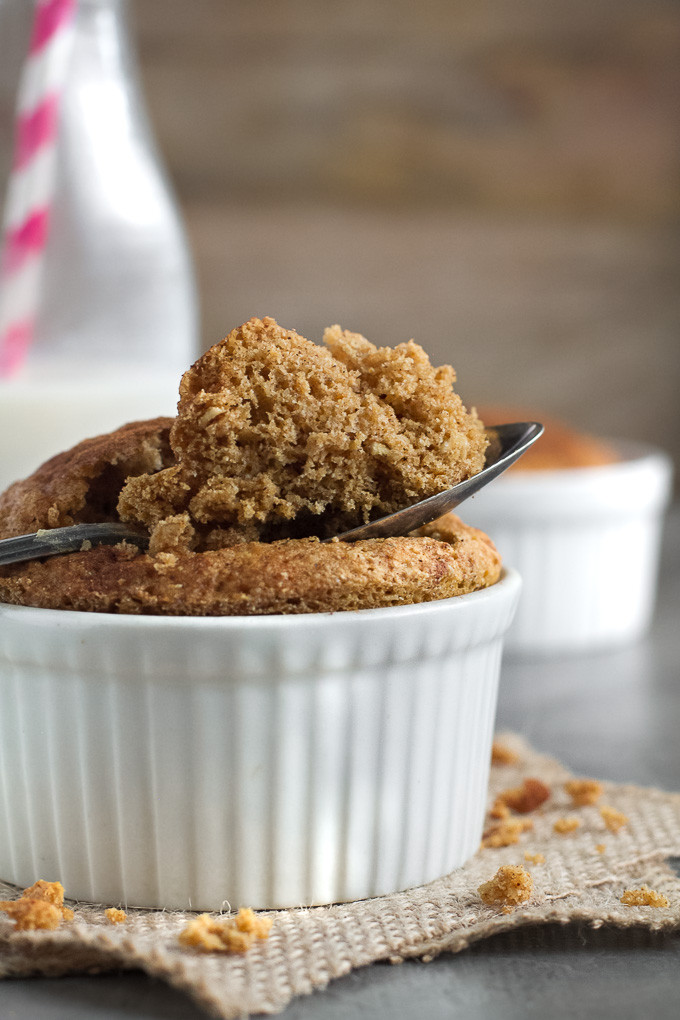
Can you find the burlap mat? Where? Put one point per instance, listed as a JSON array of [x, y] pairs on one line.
[[308, 948]]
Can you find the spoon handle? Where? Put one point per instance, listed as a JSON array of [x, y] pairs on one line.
[[55, 541]]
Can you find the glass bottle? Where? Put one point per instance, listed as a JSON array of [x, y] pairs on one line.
[[116, 318]]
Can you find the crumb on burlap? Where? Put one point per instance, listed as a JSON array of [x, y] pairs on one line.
[[50, 892], [534, 858], [505, 833], [567, 825], [583, 791], [41, 905], [225, 935], [600, 847], [30, 915], [527, 797], [613, 819], [499, 809], [502, 755], [644, 897], [115, 916], [510, 885]]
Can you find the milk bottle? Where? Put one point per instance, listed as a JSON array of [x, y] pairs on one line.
[[108, 285]]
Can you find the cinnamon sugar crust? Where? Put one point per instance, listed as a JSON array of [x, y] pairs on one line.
[[257, 578]]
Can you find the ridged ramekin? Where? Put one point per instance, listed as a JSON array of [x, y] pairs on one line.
[[586, 543], [261, 761]]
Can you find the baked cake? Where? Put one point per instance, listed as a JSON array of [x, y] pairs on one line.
[[277, 442]]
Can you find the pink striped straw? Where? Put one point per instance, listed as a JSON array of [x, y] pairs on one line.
[[31, 184]]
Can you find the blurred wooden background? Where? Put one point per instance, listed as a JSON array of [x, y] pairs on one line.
[[497, 179]]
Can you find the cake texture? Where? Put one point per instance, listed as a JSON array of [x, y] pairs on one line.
[[277, 442], [286, 438]]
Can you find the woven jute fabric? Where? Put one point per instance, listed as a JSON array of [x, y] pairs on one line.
[[307, 948]]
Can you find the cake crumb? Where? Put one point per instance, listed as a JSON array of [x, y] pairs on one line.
[[583, 791], [225, 935], [41, 905], [534, 858], [499, 809], [31, 915], [527, 797], [502, 755], [248, 921], [174, 534], [115, 916], [510, 885], [644, 897], [50, 892], [613, 819], [600, 847], [566, 825], [505, 833]]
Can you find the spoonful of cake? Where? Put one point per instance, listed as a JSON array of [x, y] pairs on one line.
[[506, 444], [275, 438]]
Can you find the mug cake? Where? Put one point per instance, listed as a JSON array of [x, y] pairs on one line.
[[245, 712]]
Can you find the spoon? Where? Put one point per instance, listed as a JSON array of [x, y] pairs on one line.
[[56, 541], [507, 443]]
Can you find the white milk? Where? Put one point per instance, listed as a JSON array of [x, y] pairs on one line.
[[40, 419]]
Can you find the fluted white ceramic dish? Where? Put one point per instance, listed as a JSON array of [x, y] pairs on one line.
[[261, 761], [586, 543]]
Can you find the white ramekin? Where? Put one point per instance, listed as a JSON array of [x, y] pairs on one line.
[[261, 761], [586, 543]]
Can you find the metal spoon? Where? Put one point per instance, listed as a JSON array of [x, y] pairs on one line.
[[56, 541], [507, 443]]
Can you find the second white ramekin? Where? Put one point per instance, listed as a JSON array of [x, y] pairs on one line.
[[586, 543], [260, 761]]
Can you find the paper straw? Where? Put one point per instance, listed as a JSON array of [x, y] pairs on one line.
[[31, 184]]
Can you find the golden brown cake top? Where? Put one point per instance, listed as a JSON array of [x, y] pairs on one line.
[[258, 578]]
